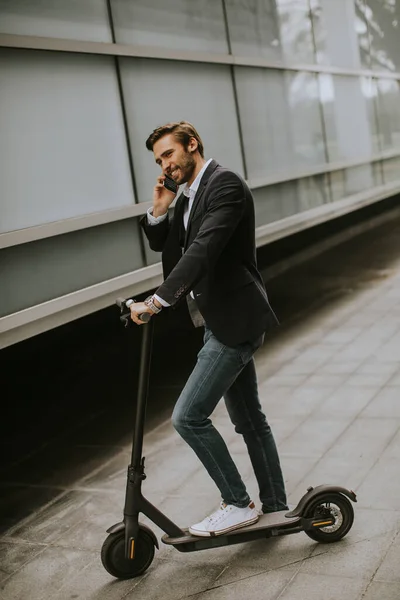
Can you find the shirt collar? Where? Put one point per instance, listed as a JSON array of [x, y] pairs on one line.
[[195, 185]]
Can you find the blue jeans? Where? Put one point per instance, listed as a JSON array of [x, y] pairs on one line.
[[222, 371]]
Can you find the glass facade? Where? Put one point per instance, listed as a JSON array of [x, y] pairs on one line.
[[301, 97]]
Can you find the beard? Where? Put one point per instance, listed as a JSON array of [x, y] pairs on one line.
[[186, 166]]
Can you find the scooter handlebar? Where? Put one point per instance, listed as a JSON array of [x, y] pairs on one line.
[[125, 317]]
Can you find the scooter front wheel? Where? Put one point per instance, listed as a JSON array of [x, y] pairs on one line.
[[113, 555], [330, 505]]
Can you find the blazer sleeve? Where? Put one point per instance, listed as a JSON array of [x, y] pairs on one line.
[[225, 207], [156, 234]]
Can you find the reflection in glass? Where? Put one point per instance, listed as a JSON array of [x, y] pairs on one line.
[[313, 192], [341, 33], [383, 18], [281, 120], [349, 108], [391, 170], [272, 29], [176, 24], [160, 91], [276, 202], [296, 30], [389, 113]]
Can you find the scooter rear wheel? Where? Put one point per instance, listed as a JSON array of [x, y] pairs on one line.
[[335, 505], [113, 555]]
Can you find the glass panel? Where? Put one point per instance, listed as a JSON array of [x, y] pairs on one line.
[[313, 192], [389, 113], [383, 17], [201, 94], [391, 170], [56, 266], [62, 144], [337, 185], [341, 34], [275, 202], [349, 112], [74, 19], [176, 24], [280, 119], [358, 179], [296, 30], [273, 29]]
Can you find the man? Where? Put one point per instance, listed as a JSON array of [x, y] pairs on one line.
[[209, 257]]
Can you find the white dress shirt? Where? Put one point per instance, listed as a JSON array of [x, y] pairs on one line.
[[189, 193]]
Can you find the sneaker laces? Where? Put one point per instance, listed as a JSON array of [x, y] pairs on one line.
[[219, 513]]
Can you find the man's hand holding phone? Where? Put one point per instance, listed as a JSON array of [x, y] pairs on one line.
[[163, 195]]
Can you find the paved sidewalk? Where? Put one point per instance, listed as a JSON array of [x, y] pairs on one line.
[[331, 390]]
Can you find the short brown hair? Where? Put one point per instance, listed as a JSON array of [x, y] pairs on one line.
[[182, 131]]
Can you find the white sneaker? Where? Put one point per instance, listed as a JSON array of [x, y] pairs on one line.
[[225, 519]]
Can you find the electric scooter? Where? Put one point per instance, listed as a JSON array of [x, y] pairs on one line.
[[324, 513]]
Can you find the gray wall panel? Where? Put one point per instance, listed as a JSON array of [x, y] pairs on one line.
[[39, 271]]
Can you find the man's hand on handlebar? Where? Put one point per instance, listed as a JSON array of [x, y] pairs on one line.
[[138, 308]]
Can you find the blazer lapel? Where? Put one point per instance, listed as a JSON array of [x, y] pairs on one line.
[[196, 202]]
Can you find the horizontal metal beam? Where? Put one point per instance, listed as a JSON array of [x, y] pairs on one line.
[[139, 51], [38, 232], [42, 317]]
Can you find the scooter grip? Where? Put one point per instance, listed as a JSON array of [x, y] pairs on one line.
[[145, 317]]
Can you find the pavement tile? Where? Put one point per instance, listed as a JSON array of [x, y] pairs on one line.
[[352, 560], [336, 471], [339, 368], [385, 404], [49, 570], [297, 369], [381, 487], [371, 366], [393, 449], [346, 402], [364, 437], [395, 379], [389, 568], [326, 379], [95, 583], [368, 379], [285, 379], [317, 355], [14, 555], [174, 581], [315, 587], [266, 585], [313, 437], [382, 591]]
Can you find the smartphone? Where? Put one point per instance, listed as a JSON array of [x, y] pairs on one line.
[[170, 184]]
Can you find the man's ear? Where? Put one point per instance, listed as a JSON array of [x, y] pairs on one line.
[[193, 144]]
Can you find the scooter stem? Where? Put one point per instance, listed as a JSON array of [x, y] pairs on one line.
[[143, 385]]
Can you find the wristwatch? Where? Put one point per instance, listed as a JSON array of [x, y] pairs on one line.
[[150, 303]]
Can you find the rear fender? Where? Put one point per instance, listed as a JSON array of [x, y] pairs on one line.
[[312, 493]]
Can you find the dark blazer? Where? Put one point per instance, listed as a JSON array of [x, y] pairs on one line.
[[219, 258]]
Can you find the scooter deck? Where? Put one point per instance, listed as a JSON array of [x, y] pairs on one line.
[[265, 522]]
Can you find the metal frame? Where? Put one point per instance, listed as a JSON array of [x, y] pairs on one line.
[[139, 51]]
